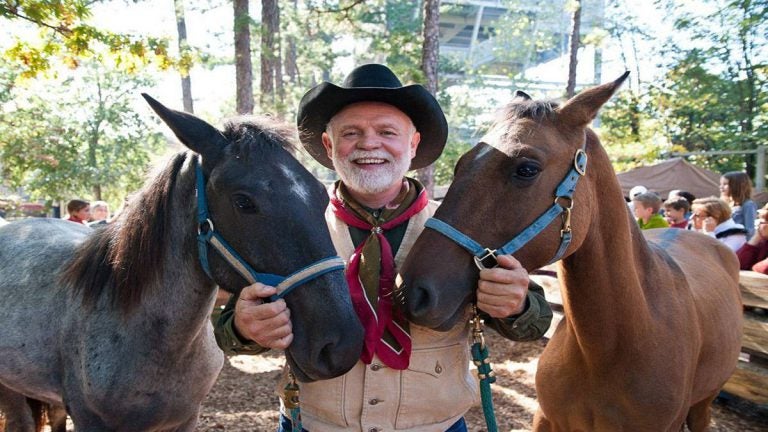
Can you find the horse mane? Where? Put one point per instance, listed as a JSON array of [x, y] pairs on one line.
[[123, 258]]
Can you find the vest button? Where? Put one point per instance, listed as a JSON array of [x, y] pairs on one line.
[[375, 367], [374, 401], [373, 430]]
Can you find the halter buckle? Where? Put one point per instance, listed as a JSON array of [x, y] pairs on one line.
[[580, 161], [487, 260]]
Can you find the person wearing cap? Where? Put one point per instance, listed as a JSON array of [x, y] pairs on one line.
[[371, 130]]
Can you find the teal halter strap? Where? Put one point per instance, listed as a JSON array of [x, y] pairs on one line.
[[207, 235], [486, 257]]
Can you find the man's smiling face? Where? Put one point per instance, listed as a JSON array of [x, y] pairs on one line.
[[371, 145]]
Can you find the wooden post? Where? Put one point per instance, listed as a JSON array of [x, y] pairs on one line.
[[760, 169]]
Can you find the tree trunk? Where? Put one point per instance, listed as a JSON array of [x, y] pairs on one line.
[[291, 63], [429, 63], [271, 74], [243, 66], [573, 61], [186, 80]]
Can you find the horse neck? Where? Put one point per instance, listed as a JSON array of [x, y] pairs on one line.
[[603, 297], [183, 292]]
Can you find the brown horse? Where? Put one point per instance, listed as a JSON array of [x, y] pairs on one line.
[[652, 322]]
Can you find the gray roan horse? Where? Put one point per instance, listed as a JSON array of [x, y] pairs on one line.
[[114, 323], [652, 322]]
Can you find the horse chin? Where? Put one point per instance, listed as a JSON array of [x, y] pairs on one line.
[[440, 318], [307, 376], [298, 372], [319, 369]]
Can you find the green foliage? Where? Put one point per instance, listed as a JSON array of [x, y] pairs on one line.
[[715, 93], [630, 133], [64, 36], [76, 136], [524, 35]]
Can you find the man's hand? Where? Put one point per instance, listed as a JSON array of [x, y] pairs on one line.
[[267, 324], [501, 291]]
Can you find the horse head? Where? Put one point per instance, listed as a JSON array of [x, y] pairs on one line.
[[269, 210], [525, 189]]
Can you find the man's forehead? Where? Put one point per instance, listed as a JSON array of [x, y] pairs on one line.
[[370, 109]]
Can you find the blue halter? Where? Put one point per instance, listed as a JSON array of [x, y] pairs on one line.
[[486, 257], [207, 235]]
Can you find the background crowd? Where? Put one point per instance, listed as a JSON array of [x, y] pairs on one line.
[[733, 218]]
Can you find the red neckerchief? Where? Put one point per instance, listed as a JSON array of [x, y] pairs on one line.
[[386, 330]]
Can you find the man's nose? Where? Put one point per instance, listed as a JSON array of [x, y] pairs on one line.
[[369, 141]]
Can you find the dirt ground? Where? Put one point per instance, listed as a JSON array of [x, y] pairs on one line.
[[243, 400]]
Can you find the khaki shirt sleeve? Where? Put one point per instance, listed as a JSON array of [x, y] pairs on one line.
[[226, 335], [529, 325]]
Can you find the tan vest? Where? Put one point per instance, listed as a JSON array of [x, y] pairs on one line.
[[431, 395]]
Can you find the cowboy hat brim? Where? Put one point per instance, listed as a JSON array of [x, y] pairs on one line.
[[321, 103]]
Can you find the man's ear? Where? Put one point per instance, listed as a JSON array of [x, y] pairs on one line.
[[415, 140], [328, 144]]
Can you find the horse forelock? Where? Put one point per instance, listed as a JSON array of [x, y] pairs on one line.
[[536, 110], [123, 259], [506, 123], [251, 133]]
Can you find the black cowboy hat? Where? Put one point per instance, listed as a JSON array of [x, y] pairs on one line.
[[372, 83]]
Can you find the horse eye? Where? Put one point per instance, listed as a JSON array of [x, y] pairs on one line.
[[527, 170], [244, 203]]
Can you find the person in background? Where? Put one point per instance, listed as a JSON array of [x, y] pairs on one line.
[[99, 214], [712, 216], [371, 131], [79, 211], [675, 209], [753, 255], [647, 207], [736, 190], [675, 193], [635, 191]]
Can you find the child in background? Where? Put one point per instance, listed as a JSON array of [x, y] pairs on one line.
[[675, 209], [79, 211], [736, 190], [646, 207]]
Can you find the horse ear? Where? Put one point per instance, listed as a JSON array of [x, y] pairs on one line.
[[519, 94], [193, 132], [582, 108]]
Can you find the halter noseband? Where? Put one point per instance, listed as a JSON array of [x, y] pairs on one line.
[[207, 235], [486, 257]]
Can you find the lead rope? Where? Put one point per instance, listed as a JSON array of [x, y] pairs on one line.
[[291, 402], [484, 372]]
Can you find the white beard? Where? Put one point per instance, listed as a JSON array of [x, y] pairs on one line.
[[371, 181]]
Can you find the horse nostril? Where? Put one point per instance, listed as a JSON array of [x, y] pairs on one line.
[[418, 302]]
